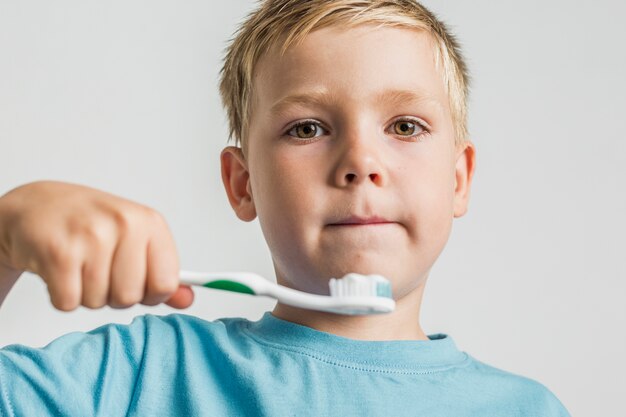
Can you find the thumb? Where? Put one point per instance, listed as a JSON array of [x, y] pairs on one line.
[[182, 298]]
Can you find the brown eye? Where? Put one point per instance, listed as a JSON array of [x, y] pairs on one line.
[[404, 127], [305, 130]]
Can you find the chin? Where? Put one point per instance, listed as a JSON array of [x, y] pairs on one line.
[[363, 264]]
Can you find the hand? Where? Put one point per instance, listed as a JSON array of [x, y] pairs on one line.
[[91, 248]]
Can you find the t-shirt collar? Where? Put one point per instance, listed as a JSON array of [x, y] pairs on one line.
[[439, 352]]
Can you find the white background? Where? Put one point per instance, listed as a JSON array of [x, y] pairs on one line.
[[122, 96]]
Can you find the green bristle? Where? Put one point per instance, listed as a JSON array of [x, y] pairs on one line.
[[229, 285]]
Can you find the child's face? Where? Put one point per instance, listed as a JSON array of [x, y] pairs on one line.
[[361, 152]]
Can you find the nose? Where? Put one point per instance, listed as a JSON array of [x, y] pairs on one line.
[[360, 161]]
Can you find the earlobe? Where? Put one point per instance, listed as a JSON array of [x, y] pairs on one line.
[[464, 172], [236, 179]]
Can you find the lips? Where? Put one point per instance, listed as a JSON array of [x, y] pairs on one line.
[[356, 220]]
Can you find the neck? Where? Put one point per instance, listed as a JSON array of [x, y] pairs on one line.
[[400, 324]]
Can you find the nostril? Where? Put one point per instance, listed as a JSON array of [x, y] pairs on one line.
[[351, 177]]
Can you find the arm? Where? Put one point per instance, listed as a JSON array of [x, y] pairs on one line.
[[78, 374], [8, 278], [8, 275]]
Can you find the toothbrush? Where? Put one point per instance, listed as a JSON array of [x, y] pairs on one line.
[[354, 294]]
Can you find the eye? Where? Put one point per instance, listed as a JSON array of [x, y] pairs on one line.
[[306, 129], [408, 128], [404, 127]]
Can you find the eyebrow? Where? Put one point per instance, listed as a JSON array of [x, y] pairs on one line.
[[325, 99]]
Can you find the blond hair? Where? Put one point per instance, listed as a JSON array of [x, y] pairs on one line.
[[291, 20]]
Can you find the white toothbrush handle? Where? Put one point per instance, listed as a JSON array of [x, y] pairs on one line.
[[261, 286]]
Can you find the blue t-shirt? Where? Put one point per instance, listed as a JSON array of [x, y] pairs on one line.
[[180, 365]]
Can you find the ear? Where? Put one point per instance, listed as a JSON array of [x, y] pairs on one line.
[[236, 179], [464, 171]]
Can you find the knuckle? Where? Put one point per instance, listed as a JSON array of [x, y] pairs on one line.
[[135, 216], [96, 234], [55, 254], [138, 217], [155, 216], [125, 219], [60, 255]]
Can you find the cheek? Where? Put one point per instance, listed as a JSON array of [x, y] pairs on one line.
[[290, 182], [431, 196], [284, 195]]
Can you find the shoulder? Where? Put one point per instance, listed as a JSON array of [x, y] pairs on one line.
[[152, 323], [515, 393], [144, 332], [124, 356], [178, 323], [173, 332]]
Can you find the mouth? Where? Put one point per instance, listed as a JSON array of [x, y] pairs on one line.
[[362, 221]]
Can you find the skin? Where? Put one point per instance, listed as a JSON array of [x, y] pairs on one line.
[[360, 160], [91, 248], [94, 249]]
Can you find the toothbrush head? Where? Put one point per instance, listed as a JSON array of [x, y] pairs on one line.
[[360, 285], [362, 294]]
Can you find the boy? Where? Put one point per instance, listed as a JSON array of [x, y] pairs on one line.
[[355, 156]]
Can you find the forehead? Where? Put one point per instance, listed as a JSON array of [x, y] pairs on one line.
[[361, 64]]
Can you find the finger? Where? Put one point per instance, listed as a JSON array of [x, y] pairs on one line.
[[128, 271], [61, 271], [162, 265], [96, 279], [182, 298]]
